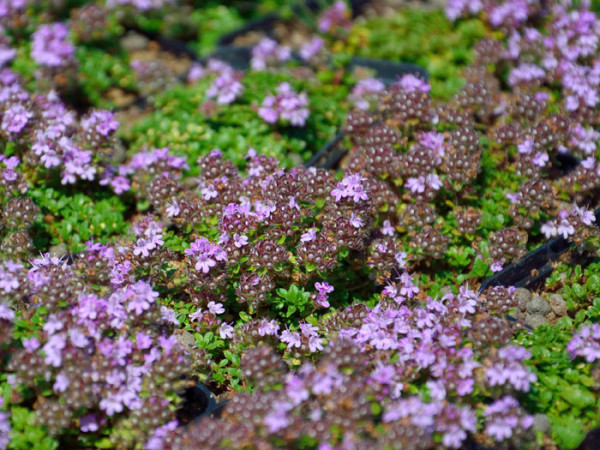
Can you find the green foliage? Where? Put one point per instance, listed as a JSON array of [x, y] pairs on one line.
[[212, 22], [422, 37], [25, 434], [564, 390], [100, 71], [179, 123], [74, 219], [294, 300]]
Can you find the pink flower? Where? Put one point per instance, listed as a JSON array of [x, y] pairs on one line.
[[216, 308], [387, 229], [268, 328], [240, 241], [310, 235], [225, 331], [291, 338]]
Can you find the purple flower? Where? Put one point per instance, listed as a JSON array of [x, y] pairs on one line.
[[88, 423], [140, 296], [216, 308], [503, 417], [540, 159], [350, 187], [206, 254], [415, 184], [156, 441], [143, 341], [100, 121], [152, 239], [411, 83], [226, 88], [167, 315], [549, 229], [226, 331], [77, 338], [195, 73], [209, 192], [9, 280], [140, 5], [315, 344], [31, 344], [525, 73], [277, 419], [433, 181], [291, 338], [197, 315], [365, 91], [456, 8], [324, 287], [565, 228], [509, 369], [336, 16], [512, 13], [7, 54], [387, 229], [120, 184], [497, 266], [111, 404], [53, 324], [50, 46], [286, 106], [240, 241], [268, 52], [53, 350], [268, 328], [15, 118], [311, 48], [584, 139], [309, 236], [525, 147], [61, 383], [586, 343], [356, 221]]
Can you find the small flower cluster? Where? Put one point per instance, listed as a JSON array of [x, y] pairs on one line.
[[504, 419], [357, 367], [586, 343], [49, 137], [50, 47], [310, 50], [107, 356], [334, 18], [365, 92], [268, 53], [140, 5], [287, 106], [569, 222], [226, 87]]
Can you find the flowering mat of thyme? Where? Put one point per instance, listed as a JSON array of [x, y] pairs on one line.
[[159, 226]]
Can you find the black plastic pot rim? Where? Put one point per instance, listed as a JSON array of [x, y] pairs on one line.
[[264, 22], [519, 273], [212, 406]]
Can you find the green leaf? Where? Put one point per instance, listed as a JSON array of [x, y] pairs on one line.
[[480, 269], [104, 443], [577, 396], [568, 431]]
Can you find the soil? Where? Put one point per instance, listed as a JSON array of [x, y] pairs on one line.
[[292, 33]]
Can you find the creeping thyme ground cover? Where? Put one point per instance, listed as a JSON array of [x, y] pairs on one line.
[[159, 226]]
